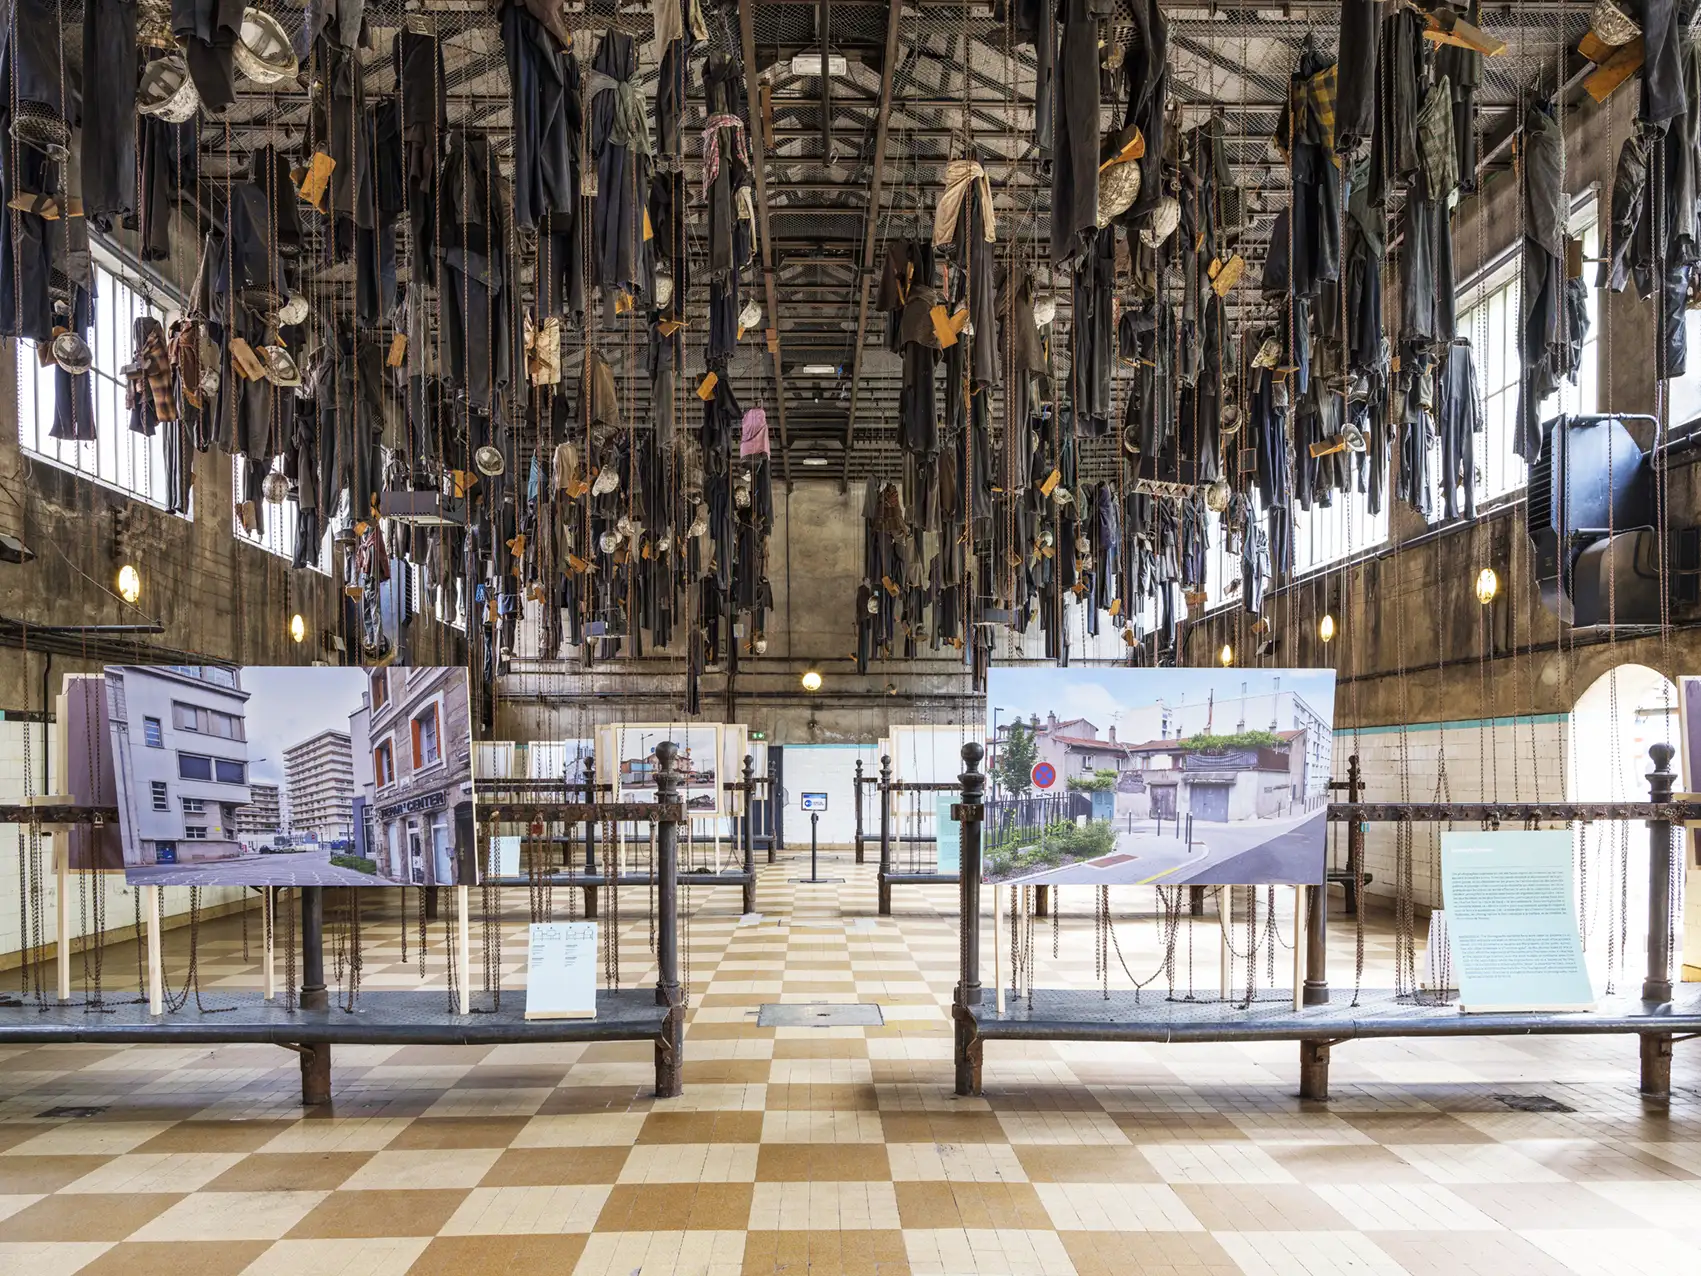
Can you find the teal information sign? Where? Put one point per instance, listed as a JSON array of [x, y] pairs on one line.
[[948, 836]]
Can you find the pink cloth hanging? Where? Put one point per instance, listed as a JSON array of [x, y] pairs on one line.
[[755, 437]]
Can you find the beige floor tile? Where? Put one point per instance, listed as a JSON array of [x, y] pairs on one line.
[[156, 1172], [958, 1252], [1115, 1207], [435, 1168], [355, 1134], [590, 1129], [237, 1216], [1214, 1163], [50, 1258], [527, 1210], [1406, 1207], [376, 1256], [1307, 1254], [85, 1138], [691, 1163]]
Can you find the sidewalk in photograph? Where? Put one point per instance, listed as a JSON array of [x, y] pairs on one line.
[[1250, 851], [300, 868]]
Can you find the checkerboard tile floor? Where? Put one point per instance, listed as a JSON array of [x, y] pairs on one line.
[[811, 1151]]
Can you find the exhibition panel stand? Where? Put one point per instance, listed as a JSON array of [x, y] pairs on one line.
[[1660, 1016], [311, 1022]]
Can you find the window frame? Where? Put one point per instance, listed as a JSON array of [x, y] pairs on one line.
[[196, 833], [220, 763], [153, 733], [194, 805], [161, 793], [130, 464], [195, 757], [384, 764], [432, 712]]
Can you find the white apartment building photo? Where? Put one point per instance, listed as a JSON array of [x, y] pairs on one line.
[[319, 787], [180, 751]]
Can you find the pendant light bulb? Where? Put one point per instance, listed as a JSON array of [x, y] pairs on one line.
[[1226, 655], [811, 680], [1488, 585], [297, 628], [129, 583], [1326, 627]]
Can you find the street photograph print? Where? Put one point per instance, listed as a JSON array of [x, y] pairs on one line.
[[292, 775], [1167, 777]]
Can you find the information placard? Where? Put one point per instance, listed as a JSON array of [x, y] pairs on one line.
[[504, 858], [1512, 921], [814, 802], [561, 974], [947, 835]]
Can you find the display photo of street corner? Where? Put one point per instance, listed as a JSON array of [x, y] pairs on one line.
[[1163, 777], [292, 776]]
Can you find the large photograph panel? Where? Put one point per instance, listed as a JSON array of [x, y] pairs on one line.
[[1164, 777], [292, 775]]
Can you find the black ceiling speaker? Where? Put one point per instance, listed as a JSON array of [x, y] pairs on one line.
[[1591, 520]]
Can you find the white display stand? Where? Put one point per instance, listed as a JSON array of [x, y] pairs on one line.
[[561, 971]]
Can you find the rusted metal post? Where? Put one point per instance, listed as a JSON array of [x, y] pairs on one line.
[[316, 1073], [670, 1047], [969, 991], [1656, 988], [749, 834], [885, 887], [856, 789], [590, 838], [1314, 1070]]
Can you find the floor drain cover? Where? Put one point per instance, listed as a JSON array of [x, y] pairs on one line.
[[819, 1014], [1532, 1103], [70, 1112]]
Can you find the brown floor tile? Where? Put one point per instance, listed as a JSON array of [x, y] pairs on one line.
[[822, 1162], [1345, 1163], [176, 1258], [1156, 1253], [458, 1132], [973, 1205], [726, 1072], [619, 1052], [86, 1217], [1082, 1163], [436, 1056], [419, 1212], [1534, 1206], [862, 1253], [702, 1127], [512, 1078], [18, 1132], [1173, 1127], [822, 1098], [820, 1048], [1415, 1127], [289, 1172], [58, 1058], [215, 1136], [1263, 1207], [546, 1167], [29, 1174], [667, 1207], [1468, 1254], [728, 1031], [1582, 1161], [498, 1256], [576, 1099], [942, 1127]]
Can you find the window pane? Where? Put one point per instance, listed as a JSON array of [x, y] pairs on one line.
[[232, 772], [192, 766]]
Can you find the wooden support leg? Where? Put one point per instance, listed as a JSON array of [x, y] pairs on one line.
[[1656, 1066], [156, 967], [462, 956], [750, 893], [591, 903], [1042, 901], [1314, 1070], [885, 897], [1196, 901], [430, 903], [316, 1074]]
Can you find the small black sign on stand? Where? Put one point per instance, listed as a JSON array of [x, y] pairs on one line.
[[815, 803]]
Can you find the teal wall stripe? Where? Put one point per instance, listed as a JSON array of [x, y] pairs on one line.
[[1463, 724]]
